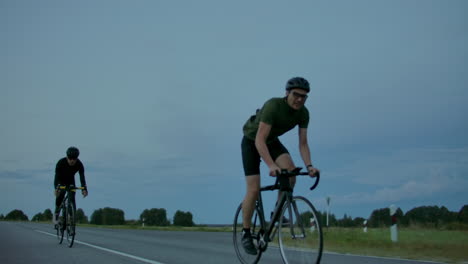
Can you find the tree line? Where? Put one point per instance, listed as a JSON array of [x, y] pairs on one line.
[[111, 216], [423, 216]]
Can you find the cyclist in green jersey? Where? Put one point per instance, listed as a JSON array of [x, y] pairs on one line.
[[260, 141]]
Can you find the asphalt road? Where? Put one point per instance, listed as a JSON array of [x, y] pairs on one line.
[[22, 242]]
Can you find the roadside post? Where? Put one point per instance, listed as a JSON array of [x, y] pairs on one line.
[[365, 226], [312, 224], [328, 208], [393, 227]]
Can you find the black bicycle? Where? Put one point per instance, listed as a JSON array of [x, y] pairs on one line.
[[67, 222], [294, 222]]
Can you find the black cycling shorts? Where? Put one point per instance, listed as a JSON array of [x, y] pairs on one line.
[[251, 158]]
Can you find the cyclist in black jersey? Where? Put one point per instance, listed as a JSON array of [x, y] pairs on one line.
[[65, 176], [260, 141]]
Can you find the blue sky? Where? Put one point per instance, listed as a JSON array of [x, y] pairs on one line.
[[155, 93]]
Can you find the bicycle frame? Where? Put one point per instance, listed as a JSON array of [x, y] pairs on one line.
[[66, 197], [286, 195]]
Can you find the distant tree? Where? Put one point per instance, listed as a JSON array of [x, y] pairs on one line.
[[380, 218], [108, 216], [400, 216], [37, 217], [2, 217], [47, 215], [183, 219], [16, 215], [332, 221], [320, 216], [445, 216], [358, 222], [306, 218], [463, 214], [96, 217], [154, 217], [81, 218], [429, 216]]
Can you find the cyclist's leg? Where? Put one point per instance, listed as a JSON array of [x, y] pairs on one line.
[[251, 195], [251, 163], [285, 161], [58, 203], [280, 155]]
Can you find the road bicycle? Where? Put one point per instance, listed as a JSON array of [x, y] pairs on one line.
[[67, 222], [294, 222]]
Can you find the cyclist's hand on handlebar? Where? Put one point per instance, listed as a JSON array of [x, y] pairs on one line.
[[274, 170], [313, 172], [84, 193]]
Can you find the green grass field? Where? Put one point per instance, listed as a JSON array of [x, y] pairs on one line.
[[421, 244]]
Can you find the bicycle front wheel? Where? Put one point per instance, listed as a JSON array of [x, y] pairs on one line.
[[70, 225], [60, 224], [300, 233], [257, 236]]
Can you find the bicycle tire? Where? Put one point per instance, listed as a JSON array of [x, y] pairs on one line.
[[70, 224], [256, 234], [300, 237], [60, 224]]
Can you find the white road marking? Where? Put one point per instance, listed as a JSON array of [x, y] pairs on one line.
[[108, 250]]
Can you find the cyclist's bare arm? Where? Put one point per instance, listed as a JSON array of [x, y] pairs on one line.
[[260, 142], [305, 151]]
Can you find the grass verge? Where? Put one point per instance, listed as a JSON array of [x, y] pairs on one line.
[[420, 244]]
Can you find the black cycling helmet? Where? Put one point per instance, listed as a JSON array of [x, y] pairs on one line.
[[73, 153], [297, 83]]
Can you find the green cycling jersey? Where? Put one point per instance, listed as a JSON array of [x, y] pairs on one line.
[[277, 113]]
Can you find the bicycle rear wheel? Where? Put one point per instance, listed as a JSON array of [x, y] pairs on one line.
[[300, 233], [70, 229], [256, 232]]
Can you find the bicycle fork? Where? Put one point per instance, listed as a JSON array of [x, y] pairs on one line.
[[294, 214]]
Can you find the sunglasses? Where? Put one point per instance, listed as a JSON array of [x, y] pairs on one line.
[[299, 95]]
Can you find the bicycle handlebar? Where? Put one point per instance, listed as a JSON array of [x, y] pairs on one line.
[[74, 188], [297, 172]]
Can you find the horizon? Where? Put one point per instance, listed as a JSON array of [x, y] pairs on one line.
[[170, 219]]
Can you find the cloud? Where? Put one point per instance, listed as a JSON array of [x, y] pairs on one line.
[[19, 176], [429, 187], [405, 165]]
